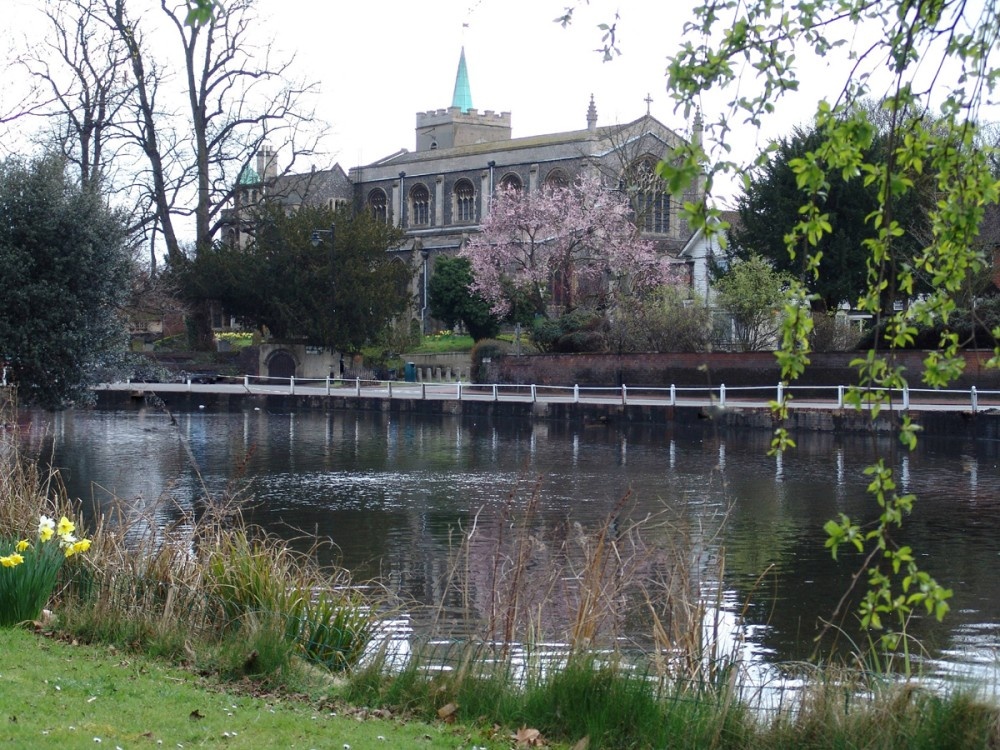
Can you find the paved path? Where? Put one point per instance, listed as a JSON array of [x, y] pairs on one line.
[[733, 398]]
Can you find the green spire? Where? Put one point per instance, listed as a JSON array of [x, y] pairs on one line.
[[462, 98], [248, 176]]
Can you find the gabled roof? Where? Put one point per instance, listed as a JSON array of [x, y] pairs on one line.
[[590, 142], [315, 187]]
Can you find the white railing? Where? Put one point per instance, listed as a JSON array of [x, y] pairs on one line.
[[719, 396]]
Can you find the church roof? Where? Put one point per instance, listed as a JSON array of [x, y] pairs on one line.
[[462, 98], [580, 142]]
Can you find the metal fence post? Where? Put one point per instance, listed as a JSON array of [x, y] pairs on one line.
[[673, 395], [840, 397], [246, 382], [495, 392], [781, 394], [291, 385], [357, 386], [576, 394], [390, 390], [534, 394], [459, 390], [327, 385], [906, 399], [975, 398], [624, 395], [423, 391], [722, 395]]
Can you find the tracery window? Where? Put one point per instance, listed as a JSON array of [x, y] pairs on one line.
[[650, 202], [510, 181], [556, 178], [420, 203], [465, 201], [378, 205]]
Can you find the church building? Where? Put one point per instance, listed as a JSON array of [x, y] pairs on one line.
[[439, 192]]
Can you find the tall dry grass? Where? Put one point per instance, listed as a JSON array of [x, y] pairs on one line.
[[206, 588]]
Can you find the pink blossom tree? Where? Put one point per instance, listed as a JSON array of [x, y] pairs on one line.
[[562, 247]]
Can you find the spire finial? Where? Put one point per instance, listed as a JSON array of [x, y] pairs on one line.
[[592, 115]]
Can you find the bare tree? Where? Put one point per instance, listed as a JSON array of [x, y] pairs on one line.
[[83, 66], [237, 99]]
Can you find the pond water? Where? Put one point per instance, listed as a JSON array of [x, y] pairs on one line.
[[695, 513]]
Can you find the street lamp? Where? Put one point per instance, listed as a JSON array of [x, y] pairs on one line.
[[423, 311], [317, 239]]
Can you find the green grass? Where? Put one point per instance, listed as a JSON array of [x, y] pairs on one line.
[[444, 343], [62, 696]]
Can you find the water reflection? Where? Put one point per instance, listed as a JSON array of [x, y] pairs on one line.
[[397, 497]]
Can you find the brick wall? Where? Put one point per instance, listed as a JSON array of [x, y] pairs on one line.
[[693, 369]]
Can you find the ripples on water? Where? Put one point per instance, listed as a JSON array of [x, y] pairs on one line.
[[394, 494]]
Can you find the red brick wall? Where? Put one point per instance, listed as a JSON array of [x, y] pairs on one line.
[[706, 368]]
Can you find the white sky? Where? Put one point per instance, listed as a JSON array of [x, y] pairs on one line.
[[382, 62], [379, 63]]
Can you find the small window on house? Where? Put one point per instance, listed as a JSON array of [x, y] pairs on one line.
[[465, 201], [510, 182], [420, 203], [378, 205]]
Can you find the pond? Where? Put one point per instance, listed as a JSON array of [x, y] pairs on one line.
[[449, 511]]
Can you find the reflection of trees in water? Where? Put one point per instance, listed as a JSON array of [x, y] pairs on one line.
[[397, 495]]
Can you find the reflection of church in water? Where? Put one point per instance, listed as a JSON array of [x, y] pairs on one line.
[[440, 192]]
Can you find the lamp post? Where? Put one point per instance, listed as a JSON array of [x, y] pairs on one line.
[[423, 310], [317, 239]]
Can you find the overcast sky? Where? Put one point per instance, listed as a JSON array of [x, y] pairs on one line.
[[379, 63]]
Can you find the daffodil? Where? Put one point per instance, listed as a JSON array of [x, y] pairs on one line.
[[65, 527], [23, 545], [11, 560], [46, 528], [80, 545]]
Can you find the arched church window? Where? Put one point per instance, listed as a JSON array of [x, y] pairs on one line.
[[378, 205], [510, 181], [556, 178], [465, 201], [650, 202], [420, 203]]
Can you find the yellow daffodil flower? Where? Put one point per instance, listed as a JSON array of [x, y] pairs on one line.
[[11, 561], [23, 545], [66, 527]]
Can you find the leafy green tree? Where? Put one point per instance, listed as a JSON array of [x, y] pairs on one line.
[[770, 203], [452, 301], [894, 44], [341, 292], [64, 271], [753, 293]]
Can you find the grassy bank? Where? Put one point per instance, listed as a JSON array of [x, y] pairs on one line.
[[55, 694]]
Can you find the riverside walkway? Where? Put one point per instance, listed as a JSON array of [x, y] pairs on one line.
[[815, 398]]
